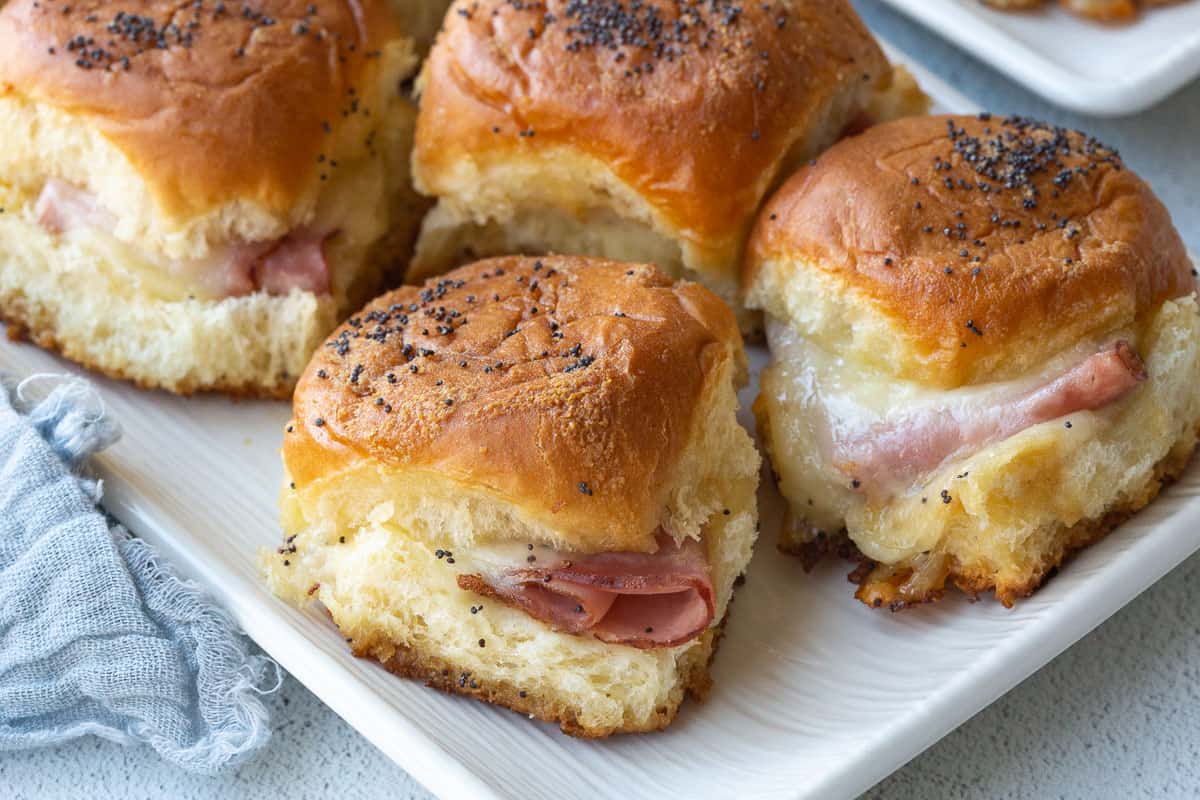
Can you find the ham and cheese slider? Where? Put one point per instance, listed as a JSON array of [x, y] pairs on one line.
[[193, 195], [643, 130], [525, 482], [985, 352]]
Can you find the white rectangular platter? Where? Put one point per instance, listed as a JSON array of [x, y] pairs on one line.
[[1079, 64], [816, 695]]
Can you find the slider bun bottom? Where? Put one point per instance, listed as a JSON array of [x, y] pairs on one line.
[[1024, 504], [398, 603], [65, 296]]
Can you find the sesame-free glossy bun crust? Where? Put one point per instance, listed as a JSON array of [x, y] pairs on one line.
[[229, 107], [567, 387], [975, 247], [697, 127]]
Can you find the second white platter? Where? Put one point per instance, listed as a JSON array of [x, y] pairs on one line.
[[1092, 68]]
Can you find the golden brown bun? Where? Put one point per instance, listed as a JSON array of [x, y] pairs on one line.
[[528, 108], [570, 389], [230, 108], [951, 250]]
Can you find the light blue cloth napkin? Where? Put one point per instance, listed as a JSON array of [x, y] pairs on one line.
[[97, 636]]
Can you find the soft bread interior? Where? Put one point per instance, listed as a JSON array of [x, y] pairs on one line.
[[548, 193], [845, 320], [364, 543], [448, 241], [1010, 502], [838, 319]]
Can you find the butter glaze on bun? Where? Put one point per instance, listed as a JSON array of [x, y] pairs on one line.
[[984, 352], [578, 405], [645, 130], [154, 156]]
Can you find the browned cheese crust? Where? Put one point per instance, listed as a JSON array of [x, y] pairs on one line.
[[208, 105], [989, 244], [694, 105], [567, 386], [905, 584]]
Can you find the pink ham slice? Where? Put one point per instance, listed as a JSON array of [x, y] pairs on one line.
[[297, 261], [912, 444], [644, 600], [61, 207]]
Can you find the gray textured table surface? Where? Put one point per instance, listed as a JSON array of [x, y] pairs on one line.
[[1117, 715]]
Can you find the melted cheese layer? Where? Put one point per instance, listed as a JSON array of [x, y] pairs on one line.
[[1046, 474]]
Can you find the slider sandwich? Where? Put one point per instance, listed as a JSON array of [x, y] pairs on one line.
[[642, 131], [192, 196], [985, 352], [525, 482]]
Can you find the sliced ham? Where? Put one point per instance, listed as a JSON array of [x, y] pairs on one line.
[[297, 261], [644, 600], [61, 207], [912, 443]]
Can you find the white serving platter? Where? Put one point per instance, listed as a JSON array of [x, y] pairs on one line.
[[816, 695], [1105, 70]]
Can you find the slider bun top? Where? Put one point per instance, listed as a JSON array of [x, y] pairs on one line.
[[684, 124], [954, 250], [172, 112], [569, 401]]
